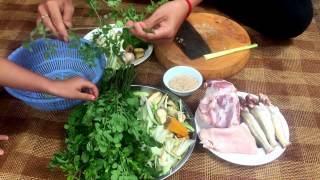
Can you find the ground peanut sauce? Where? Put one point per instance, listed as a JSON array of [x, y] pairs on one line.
[[183, 82]]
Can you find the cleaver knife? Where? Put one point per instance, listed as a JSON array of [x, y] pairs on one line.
[[190, 41]]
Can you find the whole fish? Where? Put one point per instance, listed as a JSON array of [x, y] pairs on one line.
[[276, 117], [255, 129], [263, 116]]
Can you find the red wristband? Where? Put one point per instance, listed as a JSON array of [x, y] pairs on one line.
[[189, 7]]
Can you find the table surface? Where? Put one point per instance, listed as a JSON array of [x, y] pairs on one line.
[[287, 71]]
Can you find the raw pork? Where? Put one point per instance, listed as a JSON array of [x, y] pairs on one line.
[[236, 139], [220, 107]]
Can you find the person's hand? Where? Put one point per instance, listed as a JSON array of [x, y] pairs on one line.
[[56, 16], [3, 138], [165, 21], [74, 88]]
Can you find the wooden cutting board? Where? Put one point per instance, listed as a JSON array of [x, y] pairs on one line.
[[220, 33]]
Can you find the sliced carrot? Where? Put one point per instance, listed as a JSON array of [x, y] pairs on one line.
[[177, 128]]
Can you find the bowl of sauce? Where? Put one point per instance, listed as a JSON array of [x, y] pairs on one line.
[[182, 80]]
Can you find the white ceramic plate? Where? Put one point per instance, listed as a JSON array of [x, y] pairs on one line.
[[136, 62], [252, 160]]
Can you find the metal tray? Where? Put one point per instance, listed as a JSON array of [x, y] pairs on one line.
[[190, 120]]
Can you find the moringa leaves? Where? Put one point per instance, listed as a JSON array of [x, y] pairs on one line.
[[104, 138]]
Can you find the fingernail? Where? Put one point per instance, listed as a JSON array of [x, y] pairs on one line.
[[65, 38], [141, 24], [68, 24]]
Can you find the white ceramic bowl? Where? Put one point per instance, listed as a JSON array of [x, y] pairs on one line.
[[147, 54], [179, 70]]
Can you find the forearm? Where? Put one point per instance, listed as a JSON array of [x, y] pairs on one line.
[[187, 4], [15, 76], [195, 2]]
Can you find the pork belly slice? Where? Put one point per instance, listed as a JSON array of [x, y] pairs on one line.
[[236, 139]]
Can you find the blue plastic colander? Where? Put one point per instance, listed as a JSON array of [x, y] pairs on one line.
[[64, 63]]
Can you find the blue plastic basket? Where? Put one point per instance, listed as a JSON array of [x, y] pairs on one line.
[[64, 63]]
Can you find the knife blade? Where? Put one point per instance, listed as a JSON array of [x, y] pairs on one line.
[[190, 41]]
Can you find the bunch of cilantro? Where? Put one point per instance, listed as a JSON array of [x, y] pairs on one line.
[[104, 138]]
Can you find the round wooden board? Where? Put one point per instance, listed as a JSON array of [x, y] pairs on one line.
[[220, 33]]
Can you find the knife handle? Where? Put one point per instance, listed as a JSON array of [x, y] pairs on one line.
[[229, 51]]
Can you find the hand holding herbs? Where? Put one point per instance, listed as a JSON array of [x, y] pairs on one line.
[[165, 21], [57, 16], [119, 47]]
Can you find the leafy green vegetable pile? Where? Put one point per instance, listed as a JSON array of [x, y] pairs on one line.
[[124, 134], [104, 138]]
